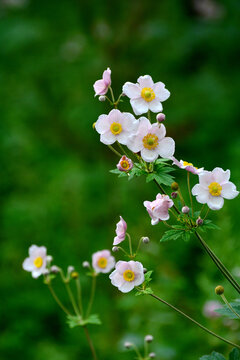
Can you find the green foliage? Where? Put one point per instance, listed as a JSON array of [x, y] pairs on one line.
[[225, 311], [234, 355], [145, 289], [74, 321], [208, 225]]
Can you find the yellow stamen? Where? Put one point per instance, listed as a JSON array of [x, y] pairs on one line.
[[38, 262], [215, 189], [147, 94], [150, 141], [102, 262], [185, 163], [125, 164], [128, 275], [116, 128]]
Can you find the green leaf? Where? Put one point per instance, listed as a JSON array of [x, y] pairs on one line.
[[74, 321], [150, 177], [234, 354], [172, 235], [147, 276], [164, 178], [225, 311], [208, 224], [161, 160], [146, 291], [214, 356]]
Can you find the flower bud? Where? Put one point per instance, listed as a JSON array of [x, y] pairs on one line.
[[54, 269], [199, 221], [115, 249], [148, 338], [127, 345], [74, 275], [102, 98], [145, 240], [70, 269], [86, 264], [219, 290], [145, 270], [185, 209], [46, 272], [152, 355], [174, 186], [160, 117], [174, 195]]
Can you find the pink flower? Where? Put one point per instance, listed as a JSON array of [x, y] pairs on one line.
[[210, 307], [116, 126], [127, 275], [120, 231], [145, 95], [103, 261], [214, 186], [101, 86], [37, 261], [125, 164], [151, 141], [187, 166], [158, 209]]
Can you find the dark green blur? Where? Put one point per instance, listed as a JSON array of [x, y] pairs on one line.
[[55, 185]]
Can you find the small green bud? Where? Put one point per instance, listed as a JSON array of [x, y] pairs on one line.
[[219, 290], [74, 275], [174, 186]]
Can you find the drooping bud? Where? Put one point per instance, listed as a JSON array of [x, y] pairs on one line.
[[148, 338], [102, 98], [74, 275], [199, 221], [127, 345], [174, 186], [185, 209], [160, 117], [115, 249], [125, 164], [219, 290], [145, 270], [152, 355], [86, 264], [145, 240], [54, 269], [174, 195]]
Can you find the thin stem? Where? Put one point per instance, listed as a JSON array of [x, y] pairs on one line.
[[137, 352], [79, 295], [122, 149], [145, 349], [92, 295], [58, 301], [206, 214], [90, 343], [229, 305], [149, 115], [115, 151], [139, 244], [194, 321], [72, 299], [189, 190], [165, 223], [130, 243], [120, 248], [164, 192], [202, 209], [111, 91], [181, 197]]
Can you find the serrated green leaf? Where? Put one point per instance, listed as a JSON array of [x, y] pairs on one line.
[[161, 160], [74, 321], [115, 171], [150, 177], [146, 291], [165, 179], [225, 311], [172, 235], [147, 276], [208, 224], [213, 356], [234, 354]]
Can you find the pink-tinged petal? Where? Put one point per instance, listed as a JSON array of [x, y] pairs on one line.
[[205, 179], [102, 124], [135, 266], [166, 147], [220, 175], [197, 189], [122, 266], [145, 81], [106, 253], [122, 138], [28, 265], [160, 131], [107, 77], [32, 249], [155, 221], [161, 93], [129, 122], [203, 197], [126, 286], [155, 106], [176, 162], [149, 155], [229, 191], [215, 202], [115, 116], [116, 278], [108, 138], [139, 105], [100, 87], [131, 90], [139, 279], [110, 265]]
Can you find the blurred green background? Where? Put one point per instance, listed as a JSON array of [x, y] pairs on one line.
[[56, 189]]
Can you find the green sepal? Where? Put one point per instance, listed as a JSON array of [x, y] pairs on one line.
[[74, 321]]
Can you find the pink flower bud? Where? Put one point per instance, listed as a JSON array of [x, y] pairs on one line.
[[86, 264], [152, 355], [102, 98], [115, 249], [148, 338], [199, 221], [160, 117], [174, 195], [127, 345], [145, 240], [185, 210]]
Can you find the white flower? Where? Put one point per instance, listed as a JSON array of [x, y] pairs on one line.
[[145, 95], [187, 166], [37, 261], [214, 187], [151, 141], [116, 126], [103, 261], [127, 275]]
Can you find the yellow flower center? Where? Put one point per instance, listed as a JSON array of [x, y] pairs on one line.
[[128, 275], [116, 128], [102, 262], [125, 164], [38, 262], [150, 141], [147, 94], [185, 163], [215, 189]]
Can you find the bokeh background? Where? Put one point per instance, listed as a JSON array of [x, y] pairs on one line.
[[55, 185]]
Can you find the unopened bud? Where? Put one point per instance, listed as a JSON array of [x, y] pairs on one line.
[[219, 290], [199, 221], [46, 272], [102, 98], [54, 269], [70, 269], [145, 240], [174, 195], [152, 355], [174, 186], [160, 117], [185, 210], [74, 275], [86, 264], [115, 249], [148, 338], [127, 345]]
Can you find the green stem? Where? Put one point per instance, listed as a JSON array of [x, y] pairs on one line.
[[115, 151], [229, 305], [130, 243], [120, 248], [90, 343], [189, 190], [72, 299], [206, 214], [92, 295], [164, 192], [137, 352], [58, 301], [139, 244], [113, 98], [194, 321], [79, 295]]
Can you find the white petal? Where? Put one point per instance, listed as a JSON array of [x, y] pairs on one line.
[[229, 191], [32, 249], [102, 124], [161, 93], [166, 147], [123, 137], [139, 105], [131, 90], [155, 105], [220, 175], [108, 138], [197, 189], [215, 202], [155, 222], [139, 279], [145, 81], [28, 265], [203, 197], [129, 122], [126, 286], [205, 179], [149, 155], [115, 116], [159, 131], [135, 143], [37, 273]]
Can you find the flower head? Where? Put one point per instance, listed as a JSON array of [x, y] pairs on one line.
[[151, 141], [103, 261], [125, 164], [121, 229], [37, 261], [187, 166], [214, 186], [101, 86], [158, 209], [145, 95], [116, 126], [127, 275]]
